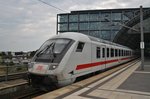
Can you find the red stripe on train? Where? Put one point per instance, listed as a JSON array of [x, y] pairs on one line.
[[83, 66]]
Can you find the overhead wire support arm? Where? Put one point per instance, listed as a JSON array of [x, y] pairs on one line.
[[128, 27], [123, 25]]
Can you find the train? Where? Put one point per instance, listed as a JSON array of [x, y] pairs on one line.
[[65, 57]]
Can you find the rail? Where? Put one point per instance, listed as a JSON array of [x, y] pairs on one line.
[[30, 93]]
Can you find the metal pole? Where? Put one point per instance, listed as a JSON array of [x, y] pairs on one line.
[[57, 26], [111, 28], [6, 77], [142, 38]]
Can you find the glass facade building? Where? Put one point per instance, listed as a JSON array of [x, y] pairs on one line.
[[98, 23]]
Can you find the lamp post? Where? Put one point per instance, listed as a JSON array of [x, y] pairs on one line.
[[7, 62], [142, 35], [142, 38]]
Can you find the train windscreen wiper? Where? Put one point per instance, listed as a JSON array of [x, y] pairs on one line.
[[52, 54], [44, 50]]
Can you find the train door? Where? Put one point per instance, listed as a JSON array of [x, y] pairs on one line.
[[103, 56], [95, 56]]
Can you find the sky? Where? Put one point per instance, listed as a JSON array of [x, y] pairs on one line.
[[26, 24]]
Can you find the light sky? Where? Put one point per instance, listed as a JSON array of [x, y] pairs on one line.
[[26, 24]]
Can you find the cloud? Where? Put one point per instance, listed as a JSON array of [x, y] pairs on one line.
[[26, 24]]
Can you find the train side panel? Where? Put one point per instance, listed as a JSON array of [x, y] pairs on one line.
[[97, 57], [73, 67]]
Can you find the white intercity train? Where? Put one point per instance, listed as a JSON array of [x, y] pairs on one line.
[[67, 56]]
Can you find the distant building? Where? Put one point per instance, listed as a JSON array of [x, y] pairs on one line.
[[98, 23], [14, 57]]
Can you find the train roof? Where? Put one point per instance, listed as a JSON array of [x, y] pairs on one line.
[[106, 42], [83, 37], [73, 35]]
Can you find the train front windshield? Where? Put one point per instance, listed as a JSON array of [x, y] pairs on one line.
[[51, 50]]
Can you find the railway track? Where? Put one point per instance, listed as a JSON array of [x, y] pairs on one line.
[[28, 94], [13, 76]]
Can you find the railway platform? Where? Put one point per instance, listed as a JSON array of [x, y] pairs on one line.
[[129, 82]]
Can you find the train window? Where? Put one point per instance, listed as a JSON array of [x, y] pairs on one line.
[[116, 52], [122, 52], [80, 47], [103, 53], [112, 52], [119, 52], [107, 52], [129, 53], [98, 52]]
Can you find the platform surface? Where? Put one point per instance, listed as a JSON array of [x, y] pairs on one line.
[[127, 83]]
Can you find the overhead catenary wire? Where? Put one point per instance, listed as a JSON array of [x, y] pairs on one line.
[[52, 6]]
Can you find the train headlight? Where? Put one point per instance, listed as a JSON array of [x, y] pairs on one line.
[[52, 67]]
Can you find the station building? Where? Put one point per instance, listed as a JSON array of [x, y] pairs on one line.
[[108, 24]]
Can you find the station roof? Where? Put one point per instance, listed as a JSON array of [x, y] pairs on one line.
[[131, 38], [102, 10]]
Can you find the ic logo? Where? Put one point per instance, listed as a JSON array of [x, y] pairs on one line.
[[40, 67]]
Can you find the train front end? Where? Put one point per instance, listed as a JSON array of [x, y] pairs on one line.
[[44, 67]]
